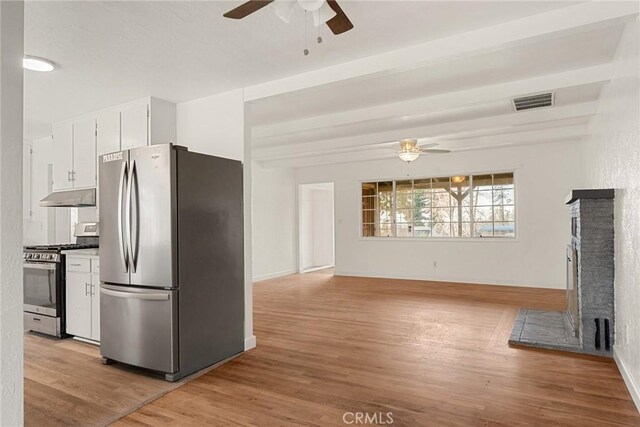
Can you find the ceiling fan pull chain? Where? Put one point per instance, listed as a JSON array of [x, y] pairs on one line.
[[306, 48]]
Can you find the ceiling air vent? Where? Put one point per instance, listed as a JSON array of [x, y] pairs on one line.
[[533, 101]]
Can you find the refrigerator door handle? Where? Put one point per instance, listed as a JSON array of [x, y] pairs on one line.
[[135, 295], [124, 252], [128, 217], [135, 233]]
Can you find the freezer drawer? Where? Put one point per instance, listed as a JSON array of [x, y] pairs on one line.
[[139, 326]]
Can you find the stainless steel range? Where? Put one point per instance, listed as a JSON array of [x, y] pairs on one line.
[[44, 281]]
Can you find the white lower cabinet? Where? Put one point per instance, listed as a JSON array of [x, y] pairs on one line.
[[82, 300], [95, 306]]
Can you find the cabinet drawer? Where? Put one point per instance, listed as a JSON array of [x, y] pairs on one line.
[[79, 264], [95, 265]]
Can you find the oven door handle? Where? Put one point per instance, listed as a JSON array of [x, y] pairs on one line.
[[39, 266]]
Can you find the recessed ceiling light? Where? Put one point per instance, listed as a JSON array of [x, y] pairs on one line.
[[34, 63]]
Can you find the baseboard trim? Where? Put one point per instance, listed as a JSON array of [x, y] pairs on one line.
[[322, 267], [497, 282], [634, 391], [250, 343], [275, 275]]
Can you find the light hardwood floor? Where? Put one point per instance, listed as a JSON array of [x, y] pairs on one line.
[[430, 353], [66, 384]]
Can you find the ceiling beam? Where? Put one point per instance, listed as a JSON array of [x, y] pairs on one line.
[[565, 20], [437, 103], [432, 132], [332, 159], [508, 137], [520, 137], [516, 138]]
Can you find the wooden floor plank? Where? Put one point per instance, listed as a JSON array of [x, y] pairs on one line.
[[431, 353], [66, 384]]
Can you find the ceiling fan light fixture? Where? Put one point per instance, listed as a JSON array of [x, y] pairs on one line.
[[408, 156], [409, 150], [322, 15], [409, 144], [284, 9], [458, 179]]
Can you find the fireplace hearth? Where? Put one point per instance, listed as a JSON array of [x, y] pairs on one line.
[[587, 324]]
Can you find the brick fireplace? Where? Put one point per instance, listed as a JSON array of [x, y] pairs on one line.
[[587, 324]]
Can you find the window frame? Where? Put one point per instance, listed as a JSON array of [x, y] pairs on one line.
[[395, 237]]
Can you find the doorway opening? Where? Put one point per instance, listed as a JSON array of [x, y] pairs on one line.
[[316, 228]]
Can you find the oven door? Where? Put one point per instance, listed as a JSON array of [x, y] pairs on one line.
[[40, 288]]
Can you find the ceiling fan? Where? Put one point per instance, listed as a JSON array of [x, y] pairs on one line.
[[323, 11], [410, 150]]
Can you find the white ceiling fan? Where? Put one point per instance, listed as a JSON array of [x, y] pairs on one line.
[[410, 150]]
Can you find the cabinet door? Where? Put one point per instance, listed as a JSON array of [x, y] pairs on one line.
[[134, 125], [84, 153], [79, 304], [62, 156], [95, 307], [108, 140]]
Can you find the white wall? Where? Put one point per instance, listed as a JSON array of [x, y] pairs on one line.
[[11, 96], [613, 157], [544, 174], [213, 124], [217, 125], [273, 221], [315, 230]]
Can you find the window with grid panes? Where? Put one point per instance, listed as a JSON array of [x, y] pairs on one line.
[[465, 206]]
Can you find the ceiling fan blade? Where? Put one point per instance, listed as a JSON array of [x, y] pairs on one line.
[[246, 9], [429, 145], [435, 151], [339, 23]]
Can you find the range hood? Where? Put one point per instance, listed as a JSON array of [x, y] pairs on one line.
[[70, 199]]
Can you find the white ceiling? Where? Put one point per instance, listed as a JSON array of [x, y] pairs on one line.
[[111, 52], [462, 102], [538, 57]]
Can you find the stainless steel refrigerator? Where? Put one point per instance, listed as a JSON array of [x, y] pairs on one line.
[[171, 259]]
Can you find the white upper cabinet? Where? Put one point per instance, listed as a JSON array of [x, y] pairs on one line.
[[84, 153], [162, 121], [108, 126], [62, 156], [134, 125], [78, 142]]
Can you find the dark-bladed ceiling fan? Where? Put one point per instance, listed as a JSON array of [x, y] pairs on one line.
[[323, 11]]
